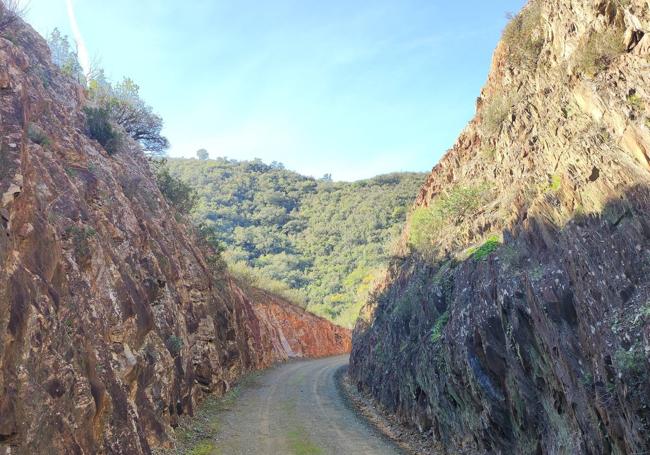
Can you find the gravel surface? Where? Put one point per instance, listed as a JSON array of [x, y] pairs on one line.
[[296, 408], [410, 440]]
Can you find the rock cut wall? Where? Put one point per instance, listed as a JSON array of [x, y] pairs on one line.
[[111, 323], [524, 326]]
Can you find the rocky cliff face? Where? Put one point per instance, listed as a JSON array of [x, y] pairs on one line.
[[286, 331], [520, 321], [111, 323]]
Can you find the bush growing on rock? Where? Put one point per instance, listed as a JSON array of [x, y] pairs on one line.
[[174, 345], [99, 127], [65, 57], [128, 110], [427, 222], [438, 327], [496, 112], [178, 193], [10, 11], [36, 134], [481, 253], [80, 238], [523, 36], [598, 51], [119, 104]]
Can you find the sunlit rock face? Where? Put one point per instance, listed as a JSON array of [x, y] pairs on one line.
[[521, 324], [111, 323]]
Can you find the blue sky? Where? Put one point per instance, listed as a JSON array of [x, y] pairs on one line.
[[348, 87]]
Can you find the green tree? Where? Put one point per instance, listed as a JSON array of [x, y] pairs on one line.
[[325, 242], [177, 192], [64, 56], [129, 110], [121, 102], [202, 154]]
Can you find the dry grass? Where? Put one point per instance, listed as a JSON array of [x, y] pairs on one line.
[[524, 36], [496, 112], [599, 50], [11, 11]]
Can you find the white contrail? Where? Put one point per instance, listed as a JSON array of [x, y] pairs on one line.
[[82, 50]]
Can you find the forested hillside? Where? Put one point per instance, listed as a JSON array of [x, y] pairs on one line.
[[326, 241]]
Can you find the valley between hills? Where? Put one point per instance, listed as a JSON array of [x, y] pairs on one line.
[[499, 304]]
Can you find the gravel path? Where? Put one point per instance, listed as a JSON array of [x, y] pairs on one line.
[[296, 408]]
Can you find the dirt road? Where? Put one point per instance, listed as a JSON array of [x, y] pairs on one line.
[[296, 409]]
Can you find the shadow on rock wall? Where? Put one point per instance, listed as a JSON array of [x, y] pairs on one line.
[[537, 345]]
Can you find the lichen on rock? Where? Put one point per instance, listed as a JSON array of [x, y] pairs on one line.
[[540, 343]]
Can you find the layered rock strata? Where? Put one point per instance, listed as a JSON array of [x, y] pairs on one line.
[[111, 323], [521, 323]]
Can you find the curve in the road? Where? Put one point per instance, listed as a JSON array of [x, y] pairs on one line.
[[297, 409]]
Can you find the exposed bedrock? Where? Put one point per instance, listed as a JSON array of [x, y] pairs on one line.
[[515, 317], [111, 323]]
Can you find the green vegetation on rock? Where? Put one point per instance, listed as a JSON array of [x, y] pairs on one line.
[[36, 134], [174, 344], [456, 204], [524, 36], [100, 128], [496, 111], [598, 51], [441, 322], [482, 252], [314, 241]]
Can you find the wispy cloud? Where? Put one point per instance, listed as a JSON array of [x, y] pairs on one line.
[[84, 58]]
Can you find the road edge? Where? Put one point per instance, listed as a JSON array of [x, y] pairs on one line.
[[408, 441]]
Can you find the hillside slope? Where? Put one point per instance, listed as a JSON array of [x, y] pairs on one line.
[[516, 317], [325, 240], [111, 323]]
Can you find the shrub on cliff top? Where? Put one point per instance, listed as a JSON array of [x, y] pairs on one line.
[[127, 109], [10, 11], [119, 103], [64, 56], [523, 36]]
